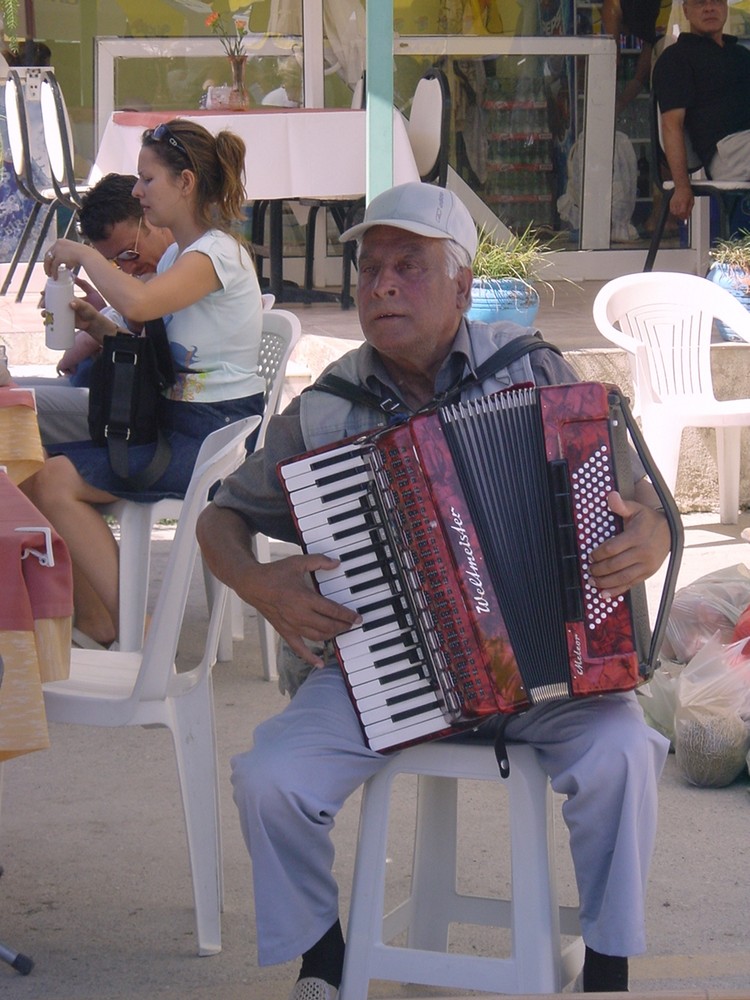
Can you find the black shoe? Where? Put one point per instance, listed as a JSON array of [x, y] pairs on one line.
[[604, 973]]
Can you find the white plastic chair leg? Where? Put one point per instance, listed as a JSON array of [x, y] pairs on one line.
[[195, 748], [728, 466], [266, 633], [664, 440], [225, 651], [136, 520]]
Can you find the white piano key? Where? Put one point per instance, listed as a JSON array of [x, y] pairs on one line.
[[422, 697], [384, 735], [378, 600], [351, 499], [365, 673], [347, 487], [311, 465], [362, 664], [334, 581], [379, 688], [355, 602], [357, 635], [325, 520], [367, 539], [377, 693], [349, 567]]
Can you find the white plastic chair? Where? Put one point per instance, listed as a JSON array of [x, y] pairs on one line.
[[539, 961], [281, 332], [663, 320], [144, 688]]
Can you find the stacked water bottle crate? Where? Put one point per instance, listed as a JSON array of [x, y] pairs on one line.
[[520, 180]]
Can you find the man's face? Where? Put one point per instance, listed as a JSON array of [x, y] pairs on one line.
[[126, 236], [706, 17], [408, 306]]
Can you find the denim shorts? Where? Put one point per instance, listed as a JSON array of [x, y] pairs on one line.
[[186, 425]]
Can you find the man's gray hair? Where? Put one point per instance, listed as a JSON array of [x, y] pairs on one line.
[[456, 257]]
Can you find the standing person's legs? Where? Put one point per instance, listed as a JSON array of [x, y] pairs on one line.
[[288, 789]]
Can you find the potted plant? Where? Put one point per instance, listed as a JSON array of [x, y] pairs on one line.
[[731, 270], [9, 15], [504, 276]]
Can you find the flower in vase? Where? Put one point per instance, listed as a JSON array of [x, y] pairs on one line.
[[231, 40]]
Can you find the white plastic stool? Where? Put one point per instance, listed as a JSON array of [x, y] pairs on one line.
[[540, 961]]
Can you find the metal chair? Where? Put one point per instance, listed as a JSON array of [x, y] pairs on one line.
[[145, 689], [663, 321], [45, 202], [727, 194], [281, 332], [58, 138], [428, 126], [539, 961]]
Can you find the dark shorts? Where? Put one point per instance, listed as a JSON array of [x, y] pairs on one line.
[[186, 426]]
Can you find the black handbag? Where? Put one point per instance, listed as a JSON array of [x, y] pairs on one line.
[[127, 381]]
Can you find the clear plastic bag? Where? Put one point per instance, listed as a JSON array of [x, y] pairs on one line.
[[709, 605], [658, 698], [712, 735]]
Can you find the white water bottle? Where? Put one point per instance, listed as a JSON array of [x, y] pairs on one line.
[[59, 318]]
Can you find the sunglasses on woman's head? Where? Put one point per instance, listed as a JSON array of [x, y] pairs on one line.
[[126, 256], [162, 133]]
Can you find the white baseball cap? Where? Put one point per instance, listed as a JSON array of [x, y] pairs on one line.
[[425, 209]]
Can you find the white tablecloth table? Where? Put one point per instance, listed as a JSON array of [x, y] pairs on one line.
[[292, 153]]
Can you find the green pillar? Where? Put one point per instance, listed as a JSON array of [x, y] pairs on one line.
[[379, 79]]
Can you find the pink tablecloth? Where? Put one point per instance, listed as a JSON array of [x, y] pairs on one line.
[[35, 619]]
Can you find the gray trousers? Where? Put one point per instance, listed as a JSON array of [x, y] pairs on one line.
[[62, 409], [307, 760]]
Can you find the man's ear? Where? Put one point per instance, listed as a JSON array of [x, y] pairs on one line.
[[464, 279]]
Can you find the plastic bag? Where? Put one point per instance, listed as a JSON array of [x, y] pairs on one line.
[[709, 605], [658, 699], [624, 189], [712, 735]]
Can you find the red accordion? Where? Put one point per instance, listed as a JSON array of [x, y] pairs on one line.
[[463, 537]]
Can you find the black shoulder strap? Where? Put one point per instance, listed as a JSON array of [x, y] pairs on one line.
[[156, 331], [502, 358]]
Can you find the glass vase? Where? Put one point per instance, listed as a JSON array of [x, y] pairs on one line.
[[238, 96]]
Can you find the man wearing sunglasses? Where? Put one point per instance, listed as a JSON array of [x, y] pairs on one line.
[[111, 220]]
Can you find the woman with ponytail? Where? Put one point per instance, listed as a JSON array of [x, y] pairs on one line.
[[191, 183]]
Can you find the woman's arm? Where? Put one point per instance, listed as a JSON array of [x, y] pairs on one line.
[[189, 279]]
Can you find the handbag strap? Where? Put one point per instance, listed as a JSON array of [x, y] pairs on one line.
[[501, 358], [124, 367]]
